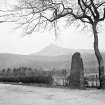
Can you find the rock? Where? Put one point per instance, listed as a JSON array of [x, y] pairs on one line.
[[76, 79]]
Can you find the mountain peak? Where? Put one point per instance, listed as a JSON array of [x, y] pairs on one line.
[[54, 47], [53, 50]]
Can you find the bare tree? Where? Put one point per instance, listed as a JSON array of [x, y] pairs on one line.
[[34, 13]]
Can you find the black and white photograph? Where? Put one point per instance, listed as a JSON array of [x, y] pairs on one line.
[[52, 52]]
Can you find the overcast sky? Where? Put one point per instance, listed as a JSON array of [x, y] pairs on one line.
[[12, 40]]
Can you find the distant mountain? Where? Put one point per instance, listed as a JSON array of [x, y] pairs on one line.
[[51, 57], [54, 50]]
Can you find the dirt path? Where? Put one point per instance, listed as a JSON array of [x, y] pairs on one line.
[[28, 95]]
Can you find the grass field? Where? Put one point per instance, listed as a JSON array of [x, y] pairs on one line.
[[31, 95]]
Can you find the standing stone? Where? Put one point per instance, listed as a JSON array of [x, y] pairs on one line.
[[76, 79]]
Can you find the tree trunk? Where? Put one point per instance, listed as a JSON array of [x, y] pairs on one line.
[[99, 57]]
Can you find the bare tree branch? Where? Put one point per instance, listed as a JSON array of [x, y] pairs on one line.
[[87, 11]]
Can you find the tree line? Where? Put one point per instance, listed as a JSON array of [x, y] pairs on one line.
[[29, 75], [25, 75]]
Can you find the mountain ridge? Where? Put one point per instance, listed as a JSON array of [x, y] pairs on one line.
[[54, 50]]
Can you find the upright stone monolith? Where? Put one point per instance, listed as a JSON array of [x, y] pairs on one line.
[[76, 79]]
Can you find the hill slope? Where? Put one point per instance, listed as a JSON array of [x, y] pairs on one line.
[[49, 58]]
